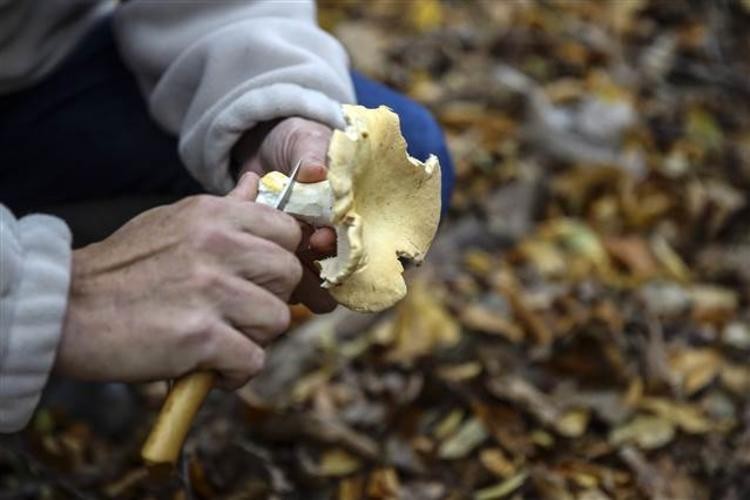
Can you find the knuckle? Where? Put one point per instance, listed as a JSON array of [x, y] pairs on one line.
[[296, 233], [292, 229], [205, 277], [292, 271], [205, 203], [256, 361], [280, 319], [200, 336], [210, 236]]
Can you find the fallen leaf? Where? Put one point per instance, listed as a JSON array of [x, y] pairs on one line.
[[480, 318], [688, 418], [497, 462], [338, 462], [647, 432], [352, 488], [502, 489], [459, 373], [421, 325], [449, 424], [694, 369], [468, 437], [383, 483], [573, 423]]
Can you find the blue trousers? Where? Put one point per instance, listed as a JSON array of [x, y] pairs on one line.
[[84, 133]]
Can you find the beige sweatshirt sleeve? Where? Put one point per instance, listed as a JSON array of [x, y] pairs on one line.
[[34, 277], [211, 70]]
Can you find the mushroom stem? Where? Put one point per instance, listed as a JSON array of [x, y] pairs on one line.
[[311, 203]]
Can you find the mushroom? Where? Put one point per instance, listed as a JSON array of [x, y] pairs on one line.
[[384, 206]]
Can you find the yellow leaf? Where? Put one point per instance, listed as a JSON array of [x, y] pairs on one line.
[[338, 462], [421, 325], [503, 489], [670, 260], [573, 423], [449, 424], [736, 378], [703, 129], [688, 418], [426, 15], [458, 373], [647, 432]]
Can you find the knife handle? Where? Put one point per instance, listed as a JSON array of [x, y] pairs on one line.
[[172, 425]]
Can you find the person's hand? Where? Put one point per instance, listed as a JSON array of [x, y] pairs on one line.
[[279, 148], [201, 284]]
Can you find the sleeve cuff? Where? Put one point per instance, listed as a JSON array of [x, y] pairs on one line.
[[33, 307], [206, 148]]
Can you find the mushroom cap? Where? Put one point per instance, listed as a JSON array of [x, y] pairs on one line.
[[386, 207]]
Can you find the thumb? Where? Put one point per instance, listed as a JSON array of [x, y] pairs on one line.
[[310, 146], [298, 139], [247, 187]]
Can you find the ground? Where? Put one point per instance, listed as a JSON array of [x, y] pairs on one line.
[[581, 329]]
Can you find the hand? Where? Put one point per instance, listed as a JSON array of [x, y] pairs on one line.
[[198, 285], [287, 142]]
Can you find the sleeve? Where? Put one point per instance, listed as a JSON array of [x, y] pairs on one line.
[[212, 70], [34, 276]]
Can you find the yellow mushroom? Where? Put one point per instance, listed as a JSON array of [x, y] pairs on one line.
[[383, 204]]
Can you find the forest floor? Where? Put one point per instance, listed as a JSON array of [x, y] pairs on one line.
[[582, 327]]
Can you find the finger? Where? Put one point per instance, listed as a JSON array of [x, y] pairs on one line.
[[312, 171], [247, 187], [307, 232], [323, 242], [310, 293], [253, 310], [235, 357], [268, 223], [264, 263]]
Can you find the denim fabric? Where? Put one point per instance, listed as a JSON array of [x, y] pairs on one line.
[[84, 133], [422, 133]]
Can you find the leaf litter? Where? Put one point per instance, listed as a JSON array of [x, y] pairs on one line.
[[581, 329]]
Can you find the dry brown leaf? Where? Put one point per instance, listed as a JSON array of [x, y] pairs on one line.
[[694, 369], [383, 484], [497, 462], [736, 378], [633, 253], [351, 488], [713, 304], [480, 318]]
